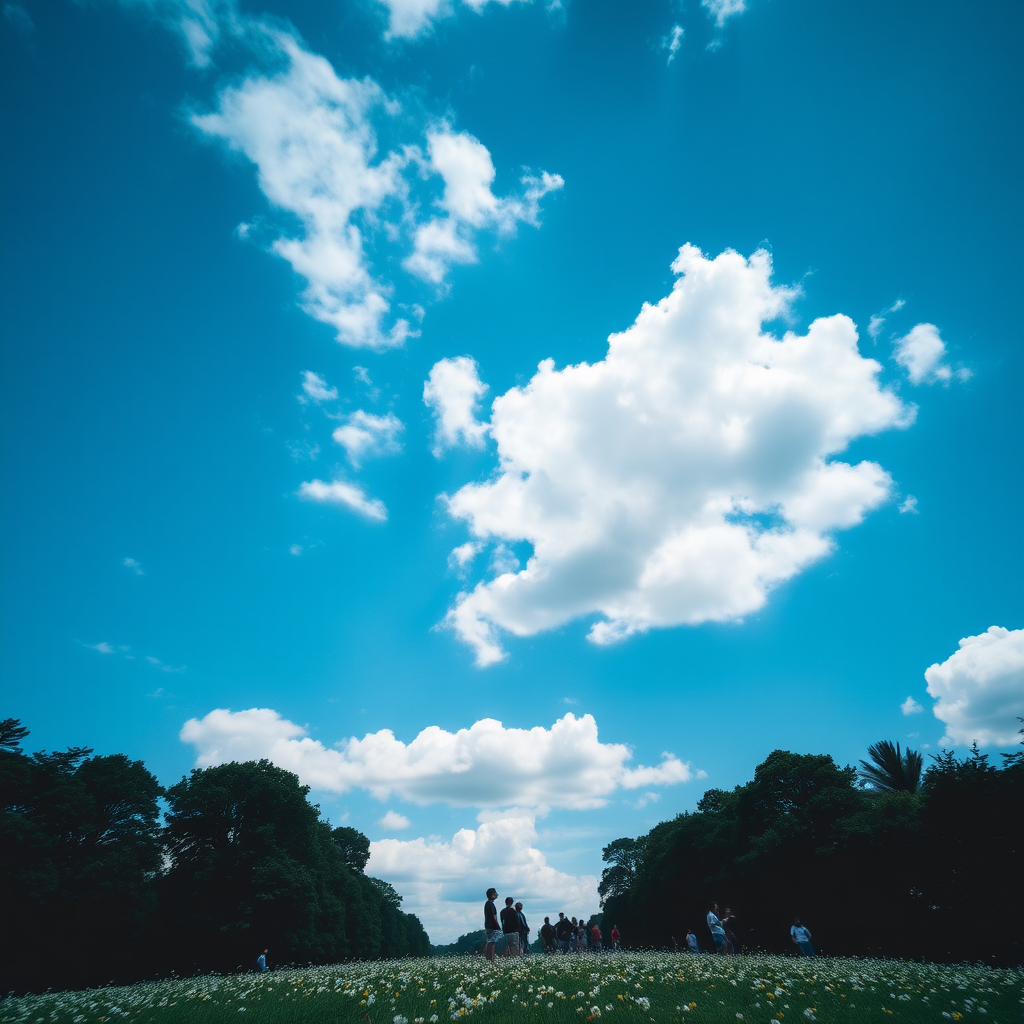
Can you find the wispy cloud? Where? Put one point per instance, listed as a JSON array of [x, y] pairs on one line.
[[130, 563], [672, 42], [316, 389], [339, 492]]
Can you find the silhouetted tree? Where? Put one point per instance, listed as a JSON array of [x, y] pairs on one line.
[[890, 770], [893, 872]]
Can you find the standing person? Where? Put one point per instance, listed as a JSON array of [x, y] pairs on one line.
[[563, 930], [261, 961], [595, 934], [691, 941], [492, 929], [615, 936], [727, 918], [802, 937], [547, 933], [510, 928], [722, 944], [524, 930]]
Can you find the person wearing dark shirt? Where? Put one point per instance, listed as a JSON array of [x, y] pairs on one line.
[[524, 930], [492, 930], [547, 933], [510, 928], [563, 933]]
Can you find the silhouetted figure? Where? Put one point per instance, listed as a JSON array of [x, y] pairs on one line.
[[492, 929]]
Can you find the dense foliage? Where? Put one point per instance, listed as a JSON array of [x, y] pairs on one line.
[[95, 888], [893, 864]]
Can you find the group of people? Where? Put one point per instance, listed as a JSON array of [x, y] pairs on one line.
[[725, 939], [512, 930]]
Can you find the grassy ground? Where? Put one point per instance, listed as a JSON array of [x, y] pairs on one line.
[[630, 988]]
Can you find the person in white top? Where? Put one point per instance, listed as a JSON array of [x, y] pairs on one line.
[[802, 937], [722, 943]]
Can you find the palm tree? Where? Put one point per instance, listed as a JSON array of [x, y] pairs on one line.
[[892, 771]]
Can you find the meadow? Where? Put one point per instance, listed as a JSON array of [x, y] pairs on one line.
[[625, 986]]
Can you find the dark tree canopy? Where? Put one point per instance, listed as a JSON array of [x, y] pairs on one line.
[[802, 838], [94, 888]]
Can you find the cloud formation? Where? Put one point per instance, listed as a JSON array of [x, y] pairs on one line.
[[316, 389], [979, 689], [720, 11], [340, 492], [394, 822], [485, 765], [911, 707], [311, 136], [452, 392], [443, 882], [683, 476], [672, 42], [921, 353], [365, 435], [410, 18], [467, 170]]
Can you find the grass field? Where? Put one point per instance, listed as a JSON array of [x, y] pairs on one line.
[[627, 987]]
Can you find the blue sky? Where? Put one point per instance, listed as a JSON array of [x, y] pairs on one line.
[[240, 238]]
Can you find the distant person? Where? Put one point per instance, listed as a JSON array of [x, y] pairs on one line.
[[722, 944], [547, 934], [802, 937], [727, 918], [595, 935], [563, 933], [524, 930], [492, 928], [615, 936], [510, 928], [261, 961], [691, 941]]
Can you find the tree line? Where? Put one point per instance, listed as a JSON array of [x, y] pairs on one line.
[[890, 860], [101, 883]]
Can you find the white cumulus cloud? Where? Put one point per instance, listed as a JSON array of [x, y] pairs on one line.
[[394, 822], [312, 138], [339, 492], [683, 476], [921, 353], [467, 170], [309, 133], [485, 765], [453, 391], [979, 689], [443, 882], [365, 435], [911, 707]]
